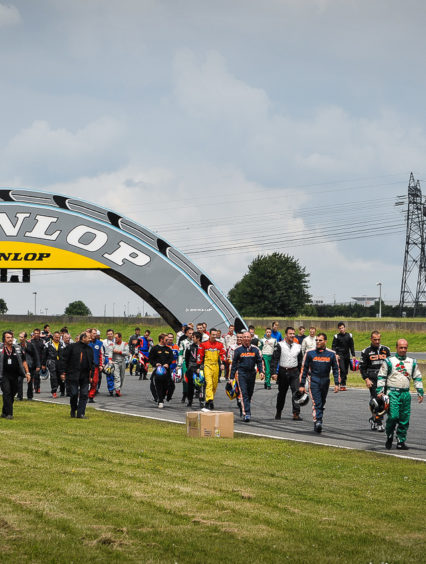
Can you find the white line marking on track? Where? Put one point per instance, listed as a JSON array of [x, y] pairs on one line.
[[261, 435]]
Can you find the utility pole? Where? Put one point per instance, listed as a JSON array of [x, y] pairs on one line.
[[413, 283]]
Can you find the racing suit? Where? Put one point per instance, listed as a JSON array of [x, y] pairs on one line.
[[267, 347], [210, 355], [33, 361], [160, 355], [35, 378], [98, 362], [316, 369], [394, 375], [371, 360], [184, 345], [133, 346], [229, 340], [343, 346], [120, 352], [52, 357], [143, 352], [191, 356], [108, 344], [243, 369]]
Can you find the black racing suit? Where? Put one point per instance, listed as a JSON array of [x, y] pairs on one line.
[[191, 355], [371, 360], [343, 346], [160, 354], [39, 344], [52, 358], [33, 361], [77, 363]]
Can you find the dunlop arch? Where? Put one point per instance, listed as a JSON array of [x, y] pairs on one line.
[[45, 231]]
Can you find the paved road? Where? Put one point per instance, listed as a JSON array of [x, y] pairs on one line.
[[345, 423]]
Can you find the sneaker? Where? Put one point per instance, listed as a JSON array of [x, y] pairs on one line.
[[160, 405], [380, 427], [278, 415], [211, 406], [38, 391], [401, 446], [62, 394], [343, 388], [91, 400], [318, 426], [265, 386], [268, 387], [9, 416], [111, 393], [117, 393], [246, 419], [82, 417], [189, 404], [388, 443], [72, 414], [373, 424], [296, 417], [54, 395]]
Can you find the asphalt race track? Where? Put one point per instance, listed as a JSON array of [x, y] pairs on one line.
[[345, 422]]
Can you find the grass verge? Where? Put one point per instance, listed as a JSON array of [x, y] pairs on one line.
[[123, 489]]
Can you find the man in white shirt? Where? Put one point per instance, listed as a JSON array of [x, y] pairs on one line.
[[288, 356], [309, 342]]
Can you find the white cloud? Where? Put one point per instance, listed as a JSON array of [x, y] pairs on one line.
[[9, 15], [41, 152]]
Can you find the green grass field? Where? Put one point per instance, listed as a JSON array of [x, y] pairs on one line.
[[122, 489], [416, 341]]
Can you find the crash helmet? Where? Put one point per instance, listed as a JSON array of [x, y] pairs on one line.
[[44, 374], [231, 389], [301, 398]]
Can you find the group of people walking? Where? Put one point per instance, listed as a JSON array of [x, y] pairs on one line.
[[302, 364]]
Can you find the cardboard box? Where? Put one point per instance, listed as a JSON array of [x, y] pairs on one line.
[[210, 424]]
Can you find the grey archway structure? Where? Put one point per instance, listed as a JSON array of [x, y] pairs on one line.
[[45, 231]]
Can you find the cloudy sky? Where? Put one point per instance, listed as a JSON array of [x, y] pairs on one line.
[[232, 128]]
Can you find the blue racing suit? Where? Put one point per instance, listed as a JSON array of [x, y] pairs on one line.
[[316, 369], [244, 370]]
